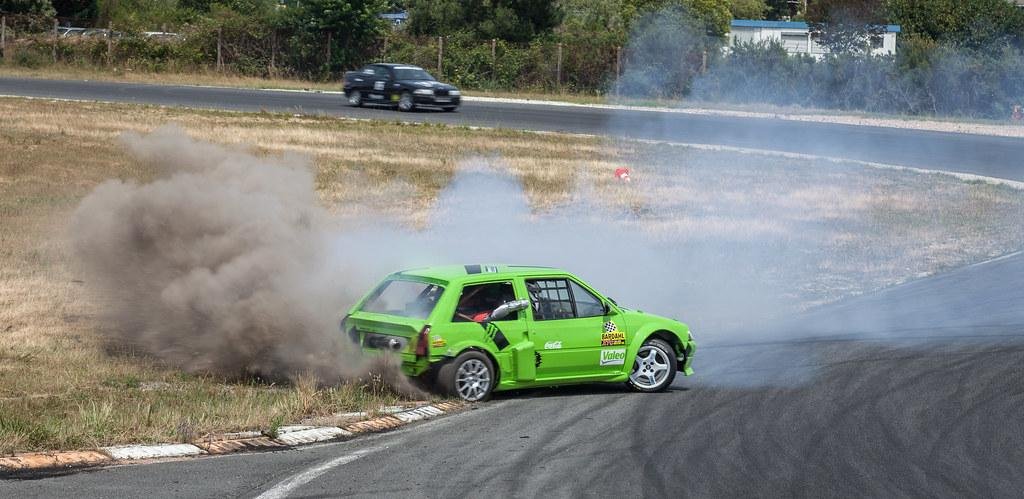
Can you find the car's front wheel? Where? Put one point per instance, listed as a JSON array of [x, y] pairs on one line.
[[355, 98], [654, 367], [470, 377], [405, 102]]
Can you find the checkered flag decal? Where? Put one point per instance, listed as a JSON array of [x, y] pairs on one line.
[[610, 327]]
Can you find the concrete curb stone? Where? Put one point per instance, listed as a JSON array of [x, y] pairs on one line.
[[246, 441]]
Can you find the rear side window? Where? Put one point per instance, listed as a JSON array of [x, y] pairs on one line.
[[404, 298], [479, 300], [554, 299]]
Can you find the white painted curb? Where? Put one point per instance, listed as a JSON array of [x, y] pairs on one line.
[[127, 452], [310, 435]]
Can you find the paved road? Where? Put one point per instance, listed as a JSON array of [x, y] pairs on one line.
[[914, 391], [991, 156], [882, 399]]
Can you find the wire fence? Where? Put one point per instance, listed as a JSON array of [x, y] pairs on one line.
[[249, 49]]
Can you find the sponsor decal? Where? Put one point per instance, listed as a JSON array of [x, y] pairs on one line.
[[553, 345], [378, 85], [613, 357], [612, 336], [438, 342], [536, 359]]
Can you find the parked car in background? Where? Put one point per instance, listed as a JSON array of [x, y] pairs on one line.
[[401, 86]]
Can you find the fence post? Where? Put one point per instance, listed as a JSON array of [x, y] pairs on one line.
[[110, 44], [440, 54], [273, 51], [618, 68], [3, 37], [494, 59], [54, 50], [558, 68], [704, 62], [220, 60]]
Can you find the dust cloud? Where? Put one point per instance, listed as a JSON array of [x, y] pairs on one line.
[[220, 264]]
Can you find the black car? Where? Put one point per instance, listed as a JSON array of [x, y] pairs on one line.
[[400, 85]]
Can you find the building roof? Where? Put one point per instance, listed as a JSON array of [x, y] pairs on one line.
[[749, 23]]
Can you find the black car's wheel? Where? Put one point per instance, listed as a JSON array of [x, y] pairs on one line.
[[470, 377], [355, 98], [654, 367], [450, 109], [405, 103]]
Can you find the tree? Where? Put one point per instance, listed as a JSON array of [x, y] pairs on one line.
[[846, 26], [39, 7], [967, 23], [714, 14], [781, 9], [607, 20], [77, 9], [667, 49], [512, 20], [748, 9], [332, 34]]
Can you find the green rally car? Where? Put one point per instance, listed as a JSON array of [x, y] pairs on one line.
[[473, 329]]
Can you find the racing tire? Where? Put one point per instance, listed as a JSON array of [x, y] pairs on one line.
[[355, 98], [470, 377], [405, 102], [654, 368]]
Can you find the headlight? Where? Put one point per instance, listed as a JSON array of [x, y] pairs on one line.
[[423, 91], [454, 92]]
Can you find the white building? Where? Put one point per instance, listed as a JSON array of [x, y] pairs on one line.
[[797, 37]]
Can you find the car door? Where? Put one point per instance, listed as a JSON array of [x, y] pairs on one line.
[[376, 91], [570, 330], [475, 301], [363, 80]]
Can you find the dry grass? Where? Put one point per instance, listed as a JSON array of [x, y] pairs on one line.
[[59, 388]]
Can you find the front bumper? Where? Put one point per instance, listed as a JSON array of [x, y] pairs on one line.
[[683, 363], [437, 100]]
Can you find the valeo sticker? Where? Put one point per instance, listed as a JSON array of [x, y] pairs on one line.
[[613, 357], [612, 336]]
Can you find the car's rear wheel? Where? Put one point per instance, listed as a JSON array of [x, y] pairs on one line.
[[355, 98], [654, 367], [405, 103], [470, 377]]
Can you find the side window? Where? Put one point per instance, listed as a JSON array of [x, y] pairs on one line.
[[478, 300], [368, 70], [587, 305], [550, 299], [381, 71]]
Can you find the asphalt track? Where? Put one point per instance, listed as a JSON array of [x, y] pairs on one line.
[[914, 391], [983, 155]]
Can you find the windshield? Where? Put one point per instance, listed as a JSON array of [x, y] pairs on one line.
[[404, 299], [410, 73]]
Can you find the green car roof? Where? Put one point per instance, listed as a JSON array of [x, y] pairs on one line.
[[456, 273]]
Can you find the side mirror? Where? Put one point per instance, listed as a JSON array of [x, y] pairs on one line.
[[507, 309]]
